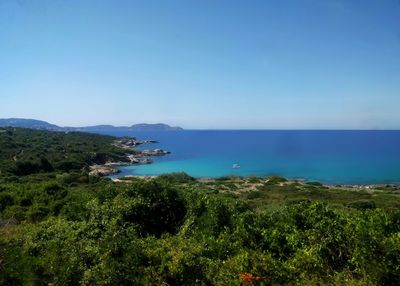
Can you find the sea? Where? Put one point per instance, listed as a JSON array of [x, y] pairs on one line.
[[328, 156]]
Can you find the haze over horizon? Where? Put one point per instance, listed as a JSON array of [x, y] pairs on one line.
[[330, 64]]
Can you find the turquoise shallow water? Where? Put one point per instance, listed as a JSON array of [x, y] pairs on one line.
[[353, 157]]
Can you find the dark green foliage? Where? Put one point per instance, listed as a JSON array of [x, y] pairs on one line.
[[177, 178], [45, 165], [37, 213], [26, 151], [155, 208], [255, 195], [25, 168], [363, 204], [5, 200], [273, 180], [226, 178], [317, 184]]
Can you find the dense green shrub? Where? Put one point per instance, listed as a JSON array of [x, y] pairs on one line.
[[255, 195], [177, 178], [26, 168], [317, 184], [273, 180], [155, 208], [363, 204], [5, 200]]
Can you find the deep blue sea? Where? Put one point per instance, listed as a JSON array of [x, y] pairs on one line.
[[333, 157]]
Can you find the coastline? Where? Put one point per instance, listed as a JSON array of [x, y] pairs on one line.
[[133, 156], [212, 156]]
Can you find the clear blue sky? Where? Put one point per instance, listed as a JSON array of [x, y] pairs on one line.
[[202, 64]]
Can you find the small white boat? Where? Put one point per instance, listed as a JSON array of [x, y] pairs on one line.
[[235, 166]]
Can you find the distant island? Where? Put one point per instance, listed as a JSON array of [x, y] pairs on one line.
[[43, 125]]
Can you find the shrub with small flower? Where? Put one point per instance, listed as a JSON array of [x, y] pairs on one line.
[[251, 279]]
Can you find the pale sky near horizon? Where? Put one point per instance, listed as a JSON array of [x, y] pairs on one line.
[[202, 64]]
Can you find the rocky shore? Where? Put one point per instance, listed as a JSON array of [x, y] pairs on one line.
[[133, 156]]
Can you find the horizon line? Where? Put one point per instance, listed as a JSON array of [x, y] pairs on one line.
[[216, 129]]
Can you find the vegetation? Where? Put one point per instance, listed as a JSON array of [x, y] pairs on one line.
[[66, 228], [26, 151]]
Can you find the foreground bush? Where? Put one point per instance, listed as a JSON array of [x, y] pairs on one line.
[[151, 233]]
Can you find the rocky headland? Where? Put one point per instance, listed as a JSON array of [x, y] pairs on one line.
[[133, 156]]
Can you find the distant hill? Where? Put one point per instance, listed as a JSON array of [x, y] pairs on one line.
[[43, 125], [150, 127], [28, 123], [135, 127]]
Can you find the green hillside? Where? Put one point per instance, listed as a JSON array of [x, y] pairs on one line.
[[26, 151]]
